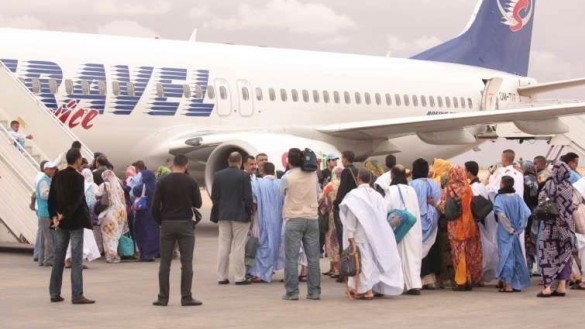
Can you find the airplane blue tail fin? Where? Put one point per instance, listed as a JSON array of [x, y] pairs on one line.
[[498, 38]]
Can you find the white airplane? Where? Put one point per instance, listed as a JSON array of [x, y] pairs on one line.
[[136, 98]]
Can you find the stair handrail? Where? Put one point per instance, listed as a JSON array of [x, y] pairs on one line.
[[48, 113]]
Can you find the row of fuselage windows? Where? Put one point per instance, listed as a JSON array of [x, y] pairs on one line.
[[284, 95]]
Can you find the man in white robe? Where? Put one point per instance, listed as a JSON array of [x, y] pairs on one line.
[[488, 229], [579, 186], [363, 214], [383, 182], [410, 249]]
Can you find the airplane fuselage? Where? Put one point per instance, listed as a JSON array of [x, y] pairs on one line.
[[131, 97]]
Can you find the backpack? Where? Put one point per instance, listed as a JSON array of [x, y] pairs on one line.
[[481, 207], [310, 162]]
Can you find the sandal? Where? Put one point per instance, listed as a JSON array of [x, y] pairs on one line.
[[504, 290], [327, 273], [336, 275], [364, 297], [302, 278]]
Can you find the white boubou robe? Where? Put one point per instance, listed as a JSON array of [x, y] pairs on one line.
[[488, 234], [580, 187], [411, 246], [363, 214]]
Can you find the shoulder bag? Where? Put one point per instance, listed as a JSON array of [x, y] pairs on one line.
[[481, 207], [453, 207], [400, 220], [546, 210], [141, 203]]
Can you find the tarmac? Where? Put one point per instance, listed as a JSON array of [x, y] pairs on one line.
[[124, 293]]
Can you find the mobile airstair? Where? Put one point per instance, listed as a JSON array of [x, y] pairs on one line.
[[19, 167]]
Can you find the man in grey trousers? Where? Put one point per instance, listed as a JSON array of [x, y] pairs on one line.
[[172, 207], [300, 190]]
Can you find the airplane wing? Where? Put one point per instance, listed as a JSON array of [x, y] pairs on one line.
[[385, 128], [549, 86]]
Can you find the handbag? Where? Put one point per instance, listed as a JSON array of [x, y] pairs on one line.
[[400, 220], [126, 246], [250, 251], [453, 208], [103, 203], [350, 261], [141, 203], [33, 202], [481, 207], [546, 210]]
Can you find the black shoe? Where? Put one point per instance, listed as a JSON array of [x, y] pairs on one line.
[[413, 292], [243, 283], [558, 294], [459, 287], [160, 303], [430, 286], [191, 302], [543, 295], [226, 281], [57, 299], [378, 295], [82, 300]]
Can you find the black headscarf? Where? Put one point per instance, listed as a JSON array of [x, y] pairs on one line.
[[398, 175], [508, 187], [420, 169]]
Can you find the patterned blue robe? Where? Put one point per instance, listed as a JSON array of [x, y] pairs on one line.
[[512, 268]]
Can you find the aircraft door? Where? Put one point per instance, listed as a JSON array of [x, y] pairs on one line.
[[223, 99], [489, 100], [245, 98]]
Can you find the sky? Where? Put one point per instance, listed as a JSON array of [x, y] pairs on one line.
[[372, 27]]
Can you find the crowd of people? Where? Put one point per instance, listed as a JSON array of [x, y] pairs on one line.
[[291, 221], [416, 229]]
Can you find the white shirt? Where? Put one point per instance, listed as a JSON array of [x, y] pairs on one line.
[[494, 181]]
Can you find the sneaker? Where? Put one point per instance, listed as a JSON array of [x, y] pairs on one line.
[[191, 302], [287, 297], [314, 297], [82, 300]]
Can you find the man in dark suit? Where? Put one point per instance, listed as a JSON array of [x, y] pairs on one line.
[[70, 215], [231, 194], [347, 183]]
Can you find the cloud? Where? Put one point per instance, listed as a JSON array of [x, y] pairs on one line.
[[290, 15], [549, 66], [398, 47], [128, 28], [23, 22], [336, 40], [199, 12], [131, 7]]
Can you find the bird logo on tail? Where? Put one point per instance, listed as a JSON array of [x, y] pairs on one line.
[[516, 13]]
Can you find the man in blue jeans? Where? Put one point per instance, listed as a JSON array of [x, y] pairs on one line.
[[300, 190], [70, 215]]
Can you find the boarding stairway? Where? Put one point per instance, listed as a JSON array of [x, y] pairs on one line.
[[19, 167]]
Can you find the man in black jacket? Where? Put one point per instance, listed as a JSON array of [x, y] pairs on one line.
[[70, 215], [232, 197], [172, 208]]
